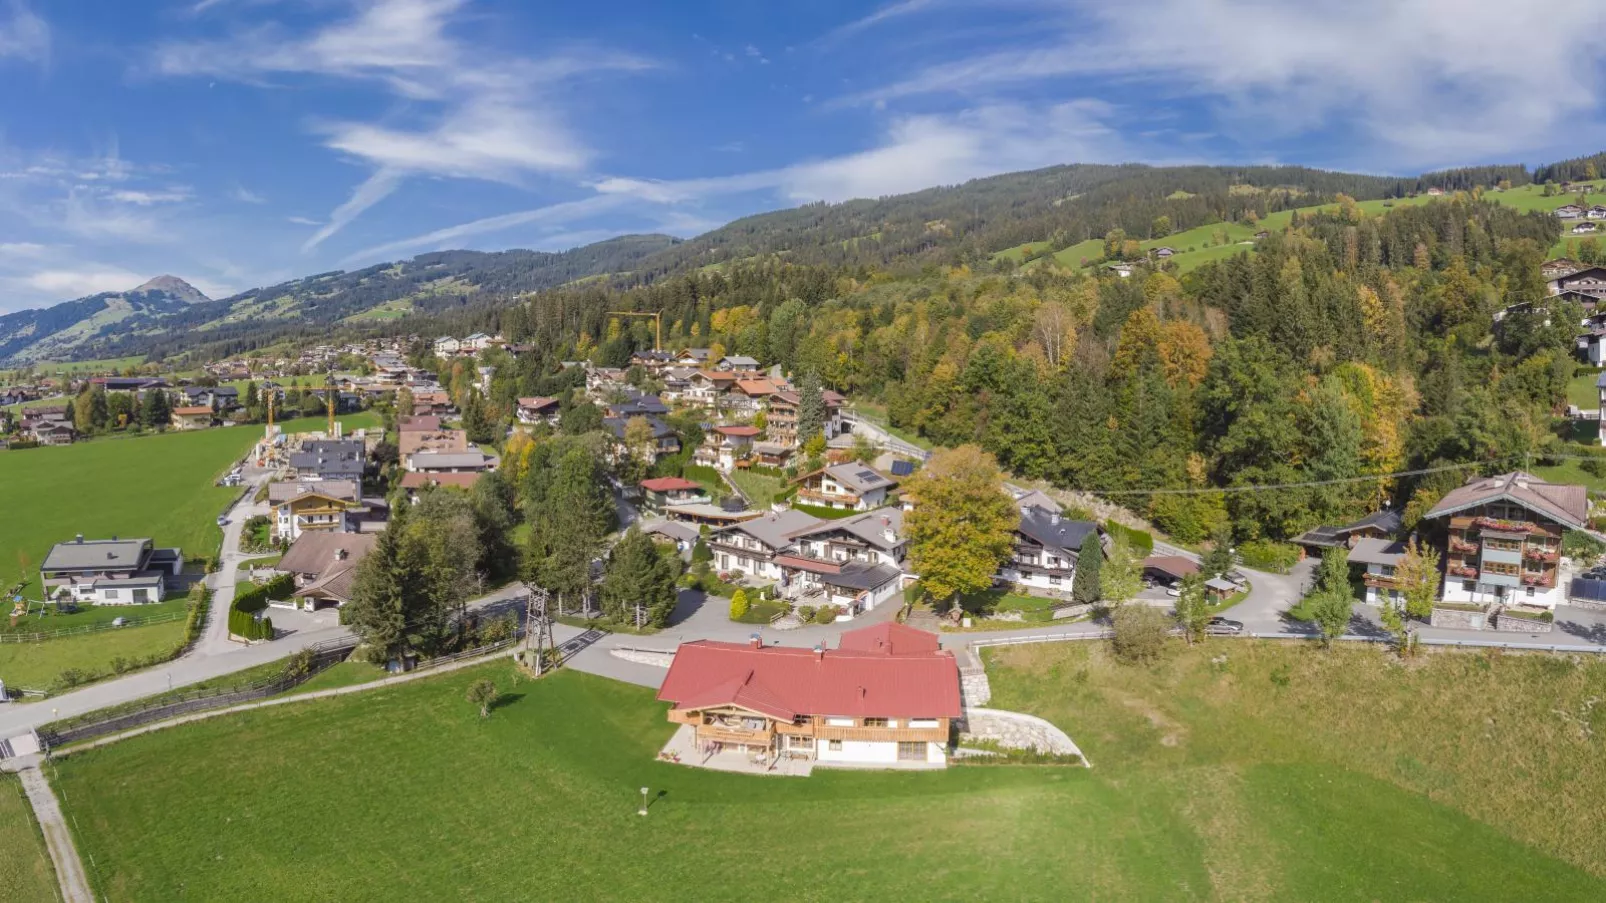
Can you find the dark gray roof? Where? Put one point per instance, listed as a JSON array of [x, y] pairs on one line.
[[1387, 520], [1054, 532], [616, 426], [871, 526], [97, 555], [776, 530], [1377, 551], [860, 575]]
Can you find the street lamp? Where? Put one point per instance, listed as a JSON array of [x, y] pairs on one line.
[[643, 809]]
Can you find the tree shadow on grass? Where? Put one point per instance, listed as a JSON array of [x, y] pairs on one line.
[[504, 700]]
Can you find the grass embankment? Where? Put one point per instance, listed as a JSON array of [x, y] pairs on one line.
[[760, 489], [1340, 779], [1348, 775], [25, 870]]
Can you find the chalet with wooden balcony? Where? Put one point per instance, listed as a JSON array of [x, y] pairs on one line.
[[314, 505], [1385, 524], [723, 446], [1504, 538], [886, 696], [1380, 558], [1047, 546], [852, 486], [751, 546], [661, 492], [782, 408], [854, 564]]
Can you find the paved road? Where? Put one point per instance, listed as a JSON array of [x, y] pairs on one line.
[[58, 840]]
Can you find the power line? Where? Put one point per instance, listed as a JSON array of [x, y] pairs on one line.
[[1269, 487]]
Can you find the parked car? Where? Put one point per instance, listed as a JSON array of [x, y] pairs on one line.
[[1224, 626], [222, 520], [1173, 591], [118, 622]]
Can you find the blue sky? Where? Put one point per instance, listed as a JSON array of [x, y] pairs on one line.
[[238, 143]]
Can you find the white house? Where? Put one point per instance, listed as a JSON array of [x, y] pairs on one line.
[[313, 505], [1047, 546], [1504, 539], [109, 571], [1380, 557], [853, 486], [751, 547]]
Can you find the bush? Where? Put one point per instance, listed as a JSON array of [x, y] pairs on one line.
[[1577, 544], [701, 552], [739, 605], [1595, 467], [825, 614], [1140, 541], [1140, 633], [255, 597], [1266, 555], [806, 613]]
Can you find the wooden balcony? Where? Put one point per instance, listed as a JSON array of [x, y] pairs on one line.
[[714, 733], [1379, 581], [828, 499]]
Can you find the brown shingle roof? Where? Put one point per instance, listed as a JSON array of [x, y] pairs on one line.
[[1563, 502]]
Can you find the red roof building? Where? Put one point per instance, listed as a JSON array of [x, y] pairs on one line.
[[887, 695]]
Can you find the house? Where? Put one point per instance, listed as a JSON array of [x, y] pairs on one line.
[[750, 547], [329, 459], [1168, 569], [731, 511], [478, 342], [692, 357], [851, 485], [1598, 211], [432, 462], [218, 398], [661, 492], [600, 381], [681, 536], [1504, 538], [414, 482], [677, 382], [854, 564], [1262, 234], [708, 388], [324, 567], [1121, 269], [1569, 211], [197, 417], [1379, 558], [137, 384], [638, 405], [750, 395], [414, 442], [1163, 253], [423, 423], [436, 403], [772, 454], [300, 506], [887, 695], [665, 441], [737, 362], [49, 432], [1435, 192], [538, 409], [446, 346], [652, 361], [1047, 546], [109, 571], [723, 446], [1558, 267], [783, 408], [1382, 524], [1585, 228]]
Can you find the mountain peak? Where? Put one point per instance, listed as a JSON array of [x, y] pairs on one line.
[[178, 288]]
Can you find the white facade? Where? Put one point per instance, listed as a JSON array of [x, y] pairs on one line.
[[118, 592], [1375, 595], [1468, 591], [871, 752], [1038, 580]]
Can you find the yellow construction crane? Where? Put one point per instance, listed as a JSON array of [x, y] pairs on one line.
[[329, 396], [658, 321]]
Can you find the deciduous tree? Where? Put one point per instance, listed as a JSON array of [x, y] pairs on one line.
[[963, 524]]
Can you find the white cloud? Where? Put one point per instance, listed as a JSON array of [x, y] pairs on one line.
[[918, 152], [304, 220], [474, 113], [23, 34], [25, 249], [246, 196], [148, 198], [76, 283], [1431, 80], [881, 15]]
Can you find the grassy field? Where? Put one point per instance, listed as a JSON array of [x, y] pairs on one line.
[[1570, 472], [760, 489], [44, 619], [38, 665], [1581, 391], [1279, 774], [25, 870]]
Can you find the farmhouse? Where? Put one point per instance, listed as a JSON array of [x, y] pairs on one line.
[[886, 695], [1504, 538], [538, 410], [313, 505], [325, 566], [1377, 525], [750, 547], [109, 571], [852, 486], [1569, 211], [1583, 228], [723, 446]]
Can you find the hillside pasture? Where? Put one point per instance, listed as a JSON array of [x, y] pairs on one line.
[[1231, 771]]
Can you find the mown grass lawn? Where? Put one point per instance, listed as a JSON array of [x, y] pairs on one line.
[[760, 489], [1210, 782], [25, 869], [39, 665], [44, 618]]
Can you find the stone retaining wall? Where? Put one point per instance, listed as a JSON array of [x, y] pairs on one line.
[[1016, 730], [1071, 611], [1589, 604], [1459, 620], [1521, 625], [658, 658]]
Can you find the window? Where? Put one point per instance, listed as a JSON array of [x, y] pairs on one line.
[[110, 594], [839, 722], [875, 722], [1530, 591], [1468, 586], [834, 745], [1054, 579], [914, 751]]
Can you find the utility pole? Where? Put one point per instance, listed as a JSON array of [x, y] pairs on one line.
[[538, 643]]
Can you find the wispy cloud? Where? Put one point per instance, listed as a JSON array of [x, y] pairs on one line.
[[1429, 80], [23, 34], [884, 14], [917, 152], [483, 115], [246, 196]]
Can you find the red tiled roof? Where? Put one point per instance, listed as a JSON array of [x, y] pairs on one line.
[[192, 411], [668, 484], [416, 480], [419, 424], [863, 679], [891, 639], [537, 402], [737, 430], [755, 387]]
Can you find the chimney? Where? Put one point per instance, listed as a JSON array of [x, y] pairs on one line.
[[755, 641], [819, 651], [1054, 518]]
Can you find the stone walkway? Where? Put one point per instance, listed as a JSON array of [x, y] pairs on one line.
[[63, 854]]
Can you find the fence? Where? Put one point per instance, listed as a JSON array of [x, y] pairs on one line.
[[324, 655], [1349, 637], [91, 628]]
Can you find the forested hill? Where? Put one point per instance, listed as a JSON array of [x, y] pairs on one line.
[[1342, 348]]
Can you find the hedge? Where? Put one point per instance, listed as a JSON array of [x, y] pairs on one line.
[[1266, 555], [1140, 541], [255, 597], [242, 624]]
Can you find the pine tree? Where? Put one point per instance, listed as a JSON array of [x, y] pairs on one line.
[[1089, 560], [381, 597], [811, 411], [639, 575]]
